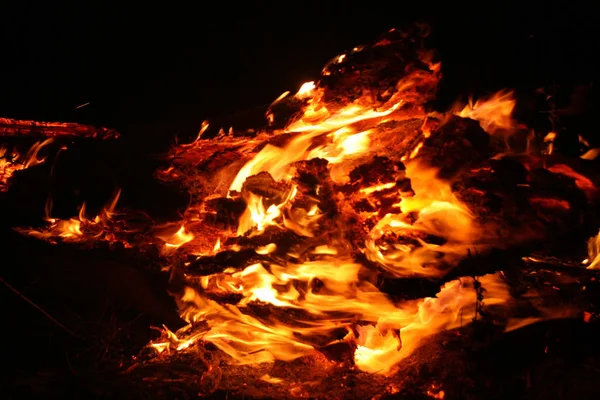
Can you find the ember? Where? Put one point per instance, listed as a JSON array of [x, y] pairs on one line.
[[296, 236]]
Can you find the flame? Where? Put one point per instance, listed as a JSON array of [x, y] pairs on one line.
[[276, 160], [268, 249], [314, 290], [69, 229], [439, 214], [178, 239], [259, 217], [435, 392], [217, 246], [79, 229], [593, 248], [271, 379], [494, 114], [549, 139], [10, 162], [344, 144], [326, 207], [306, 90], [335, 306], [453, 306]]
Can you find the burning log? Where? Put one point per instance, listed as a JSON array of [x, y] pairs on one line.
[[13, 127], [21, 135], [284, 110], [315, 186], [401, 136]]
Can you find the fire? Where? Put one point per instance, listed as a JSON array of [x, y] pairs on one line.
[[79, 229], [439, 214], [177, 239], [593, 248], [343, 297], [494, 113], [259, 217], [582, 182], [306, 90], [12, 161], [344, 143], [453, 306], [408, 222], [312, 216]]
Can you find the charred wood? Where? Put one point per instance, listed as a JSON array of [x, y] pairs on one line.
[[264, 185], [381, 68], [14, 127], [456, 144]]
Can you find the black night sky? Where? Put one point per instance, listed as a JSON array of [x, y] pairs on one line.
[[160, 70]]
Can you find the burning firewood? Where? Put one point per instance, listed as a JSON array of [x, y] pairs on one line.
[[13, 127]]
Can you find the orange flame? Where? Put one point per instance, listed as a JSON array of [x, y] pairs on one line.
[[13, 161], [593, 248], [439, 214], [494, 113], [79, 229], [178, 239], [424, 233], [353, 220], [249, 340]]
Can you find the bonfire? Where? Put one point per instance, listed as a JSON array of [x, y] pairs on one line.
[[322, 256]]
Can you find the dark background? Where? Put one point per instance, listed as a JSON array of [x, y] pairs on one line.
[[158, 71]]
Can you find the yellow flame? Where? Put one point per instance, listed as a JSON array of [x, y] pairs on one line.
[[439, 214], [77, 229], [276, 160], [14, 161], [593, 247], [178, 239], [257, 216], [306, 90], [453, 306], [342, 298], [494, 113]]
